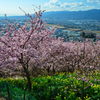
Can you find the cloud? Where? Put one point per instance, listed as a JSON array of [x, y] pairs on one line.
[[52, 3], [91, 1], [55, 3], [81, 4], [72, 5]]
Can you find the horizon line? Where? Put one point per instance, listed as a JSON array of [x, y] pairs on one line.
[[3, 15]]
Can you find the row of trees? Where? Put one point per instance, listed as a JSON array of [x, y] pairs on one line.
[[24, 49]]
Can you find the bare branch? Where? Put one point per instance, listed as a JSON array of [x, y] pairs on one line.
[[23, 10]]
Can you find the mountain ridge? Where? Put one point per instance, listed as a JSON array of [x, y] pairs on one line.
[[93, 14], [74, 15]]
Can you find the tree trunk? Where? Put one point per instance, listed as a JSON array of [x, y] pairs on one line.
[[48, 69], [54, 70], [28, 78], [25, 67]]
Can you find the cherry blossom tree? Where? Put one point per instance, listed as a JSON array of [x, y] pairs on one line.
[[21, 46], [68, 56]]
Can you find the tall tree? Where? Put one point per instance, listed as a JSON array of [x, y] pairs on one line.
[[20, 46]]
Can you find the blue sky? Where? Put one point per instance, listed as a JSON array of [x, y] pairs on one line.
[[11, 7]]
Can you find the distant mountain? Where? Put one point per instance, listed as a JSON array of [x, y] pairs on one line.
[[93, 14]]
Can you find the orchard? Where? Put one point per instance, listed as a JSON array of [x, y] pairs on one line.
[[23, 49]]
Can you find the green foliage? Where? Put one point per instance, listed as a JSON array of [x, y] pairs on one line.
[[15, 93], [63, 86]]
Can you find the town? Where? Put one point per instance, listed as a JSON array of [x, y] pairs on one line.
[[68, 30]]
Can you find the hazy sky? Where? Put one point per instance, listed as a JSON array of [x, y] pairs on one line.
[[11, 7]]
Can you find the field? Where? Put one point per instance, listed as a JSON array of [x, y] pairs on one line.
[[91, 31], [56, 26], [72, 29]]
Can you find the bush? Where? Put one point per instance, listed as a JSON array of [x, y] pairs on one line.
[[63, 86]]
